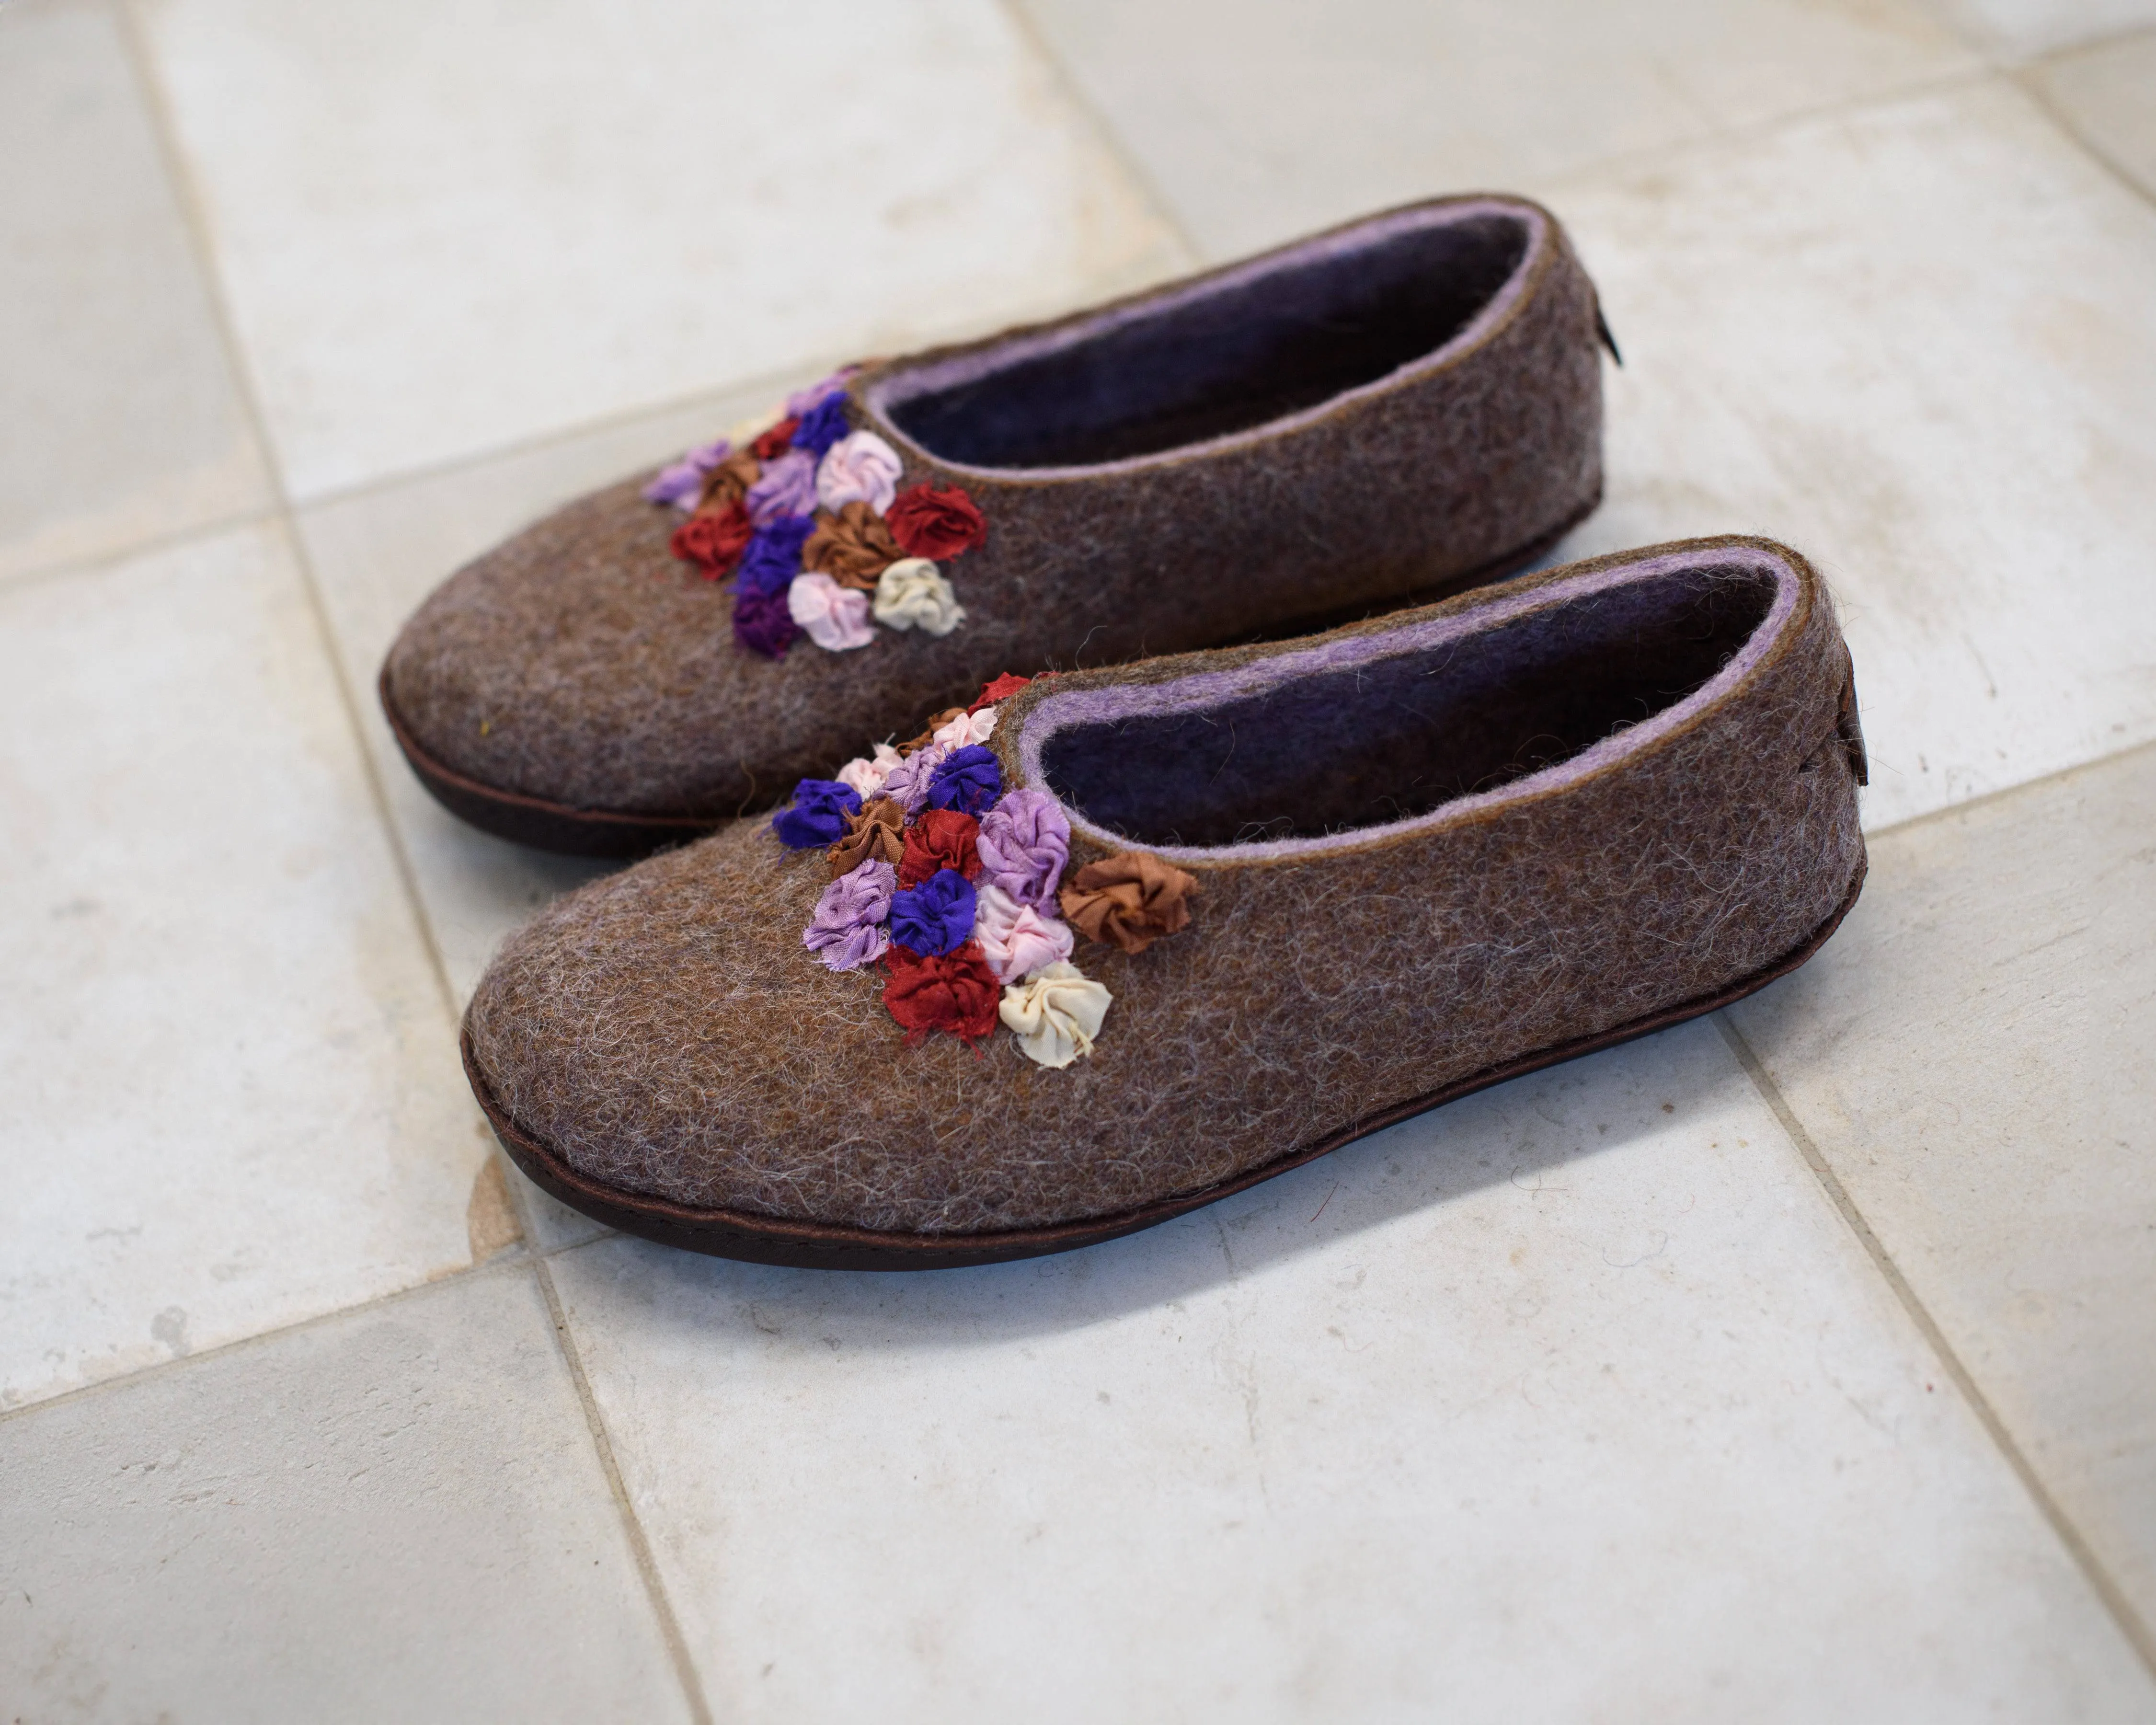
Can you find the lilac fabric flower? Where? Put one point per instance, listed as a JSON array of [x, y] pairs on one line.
[[859, 468], [817, 816], [847, 931], [907, 784], [968, 781], [786, 487], [774, 556], [935, 917], [1024, 842], [799, 404], [822, 425], [763, 623], [681, 484]]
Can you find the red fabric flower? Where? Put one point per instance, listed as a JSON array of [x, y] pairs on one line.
[[713, 542], [935, 521], [1008, 684], [956, 991], [942, 839], [777, 441]]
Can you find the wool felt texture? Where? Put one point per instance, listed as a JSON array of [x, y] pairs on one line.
[[1387, 412], [1447, 839]]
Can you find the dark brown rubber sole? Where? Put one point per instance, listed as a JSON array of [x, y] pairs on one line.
[[766, 1240], [615, 833]]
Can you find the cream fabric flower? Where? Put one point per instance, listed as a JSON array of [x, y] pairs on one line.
[[968, 729], [911, 594], [859, 468], [867, 775], [1056, 1015], [835, 618], [1016, 939]]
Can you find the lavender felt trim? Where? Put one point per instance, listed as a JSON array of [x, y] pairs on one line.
[[1105, 708], [886, 395]]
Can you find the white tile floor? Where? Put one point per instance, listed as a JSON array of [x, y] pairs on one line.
[[1793, 1365]]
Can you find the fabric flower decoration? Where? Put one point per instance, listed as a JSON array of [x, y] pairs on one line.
[[854, 546], [876, 832], [1057, 1016], [967, 779], [682, 484], [846, 931], [762, 622], [907, 784], [935, 521], [776, 441], [1004, 687], [728, 483], [713, 542], [834, 618], [859, 468], [1129, 900], [955, 992], [1025, 841], [822, 425], [942, 839], [799, 404], [817, 815], [966, 729], [786, 487], [773, 557], [1016, 939], [936, 916], [866, 774], [911, 594]]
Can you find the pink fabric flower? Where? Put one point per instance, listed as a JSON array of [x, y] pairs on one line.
[[681, 484], [859, 468], [1024, 842], [834, 618], [786, 487], [866, 774], [907, 784], [848, 929], [968, 729], [1016, 939]]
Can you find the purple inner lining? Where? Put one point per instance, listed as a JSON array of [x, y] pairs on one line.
[[1308, 750], [1278, 337]]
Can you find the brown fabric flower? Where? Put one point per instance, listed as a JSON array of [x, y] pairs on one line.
[[1129, 900], [853, 548], [728, 483], [875, 831], [915, 745]]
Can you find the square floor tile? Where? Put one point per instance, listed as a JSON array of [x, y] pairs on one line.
[[398, 1514], [232, 1098], [2108, 94], [445, 228], [1974, 1056], [122, 423], [1577, 1399], [1260, 119], [1919, 342], [2017, 29]]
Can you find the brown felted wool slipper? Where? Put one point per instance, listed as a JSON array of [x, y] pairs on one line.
[[1126, 941], [1389, 411]]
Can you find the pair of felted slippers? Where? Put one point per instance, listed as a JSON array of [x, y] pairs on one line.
[[1074, 919]]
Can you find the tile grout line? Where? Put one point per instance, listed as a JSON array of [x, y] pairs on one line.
[[152, 95], [2139, 1635]]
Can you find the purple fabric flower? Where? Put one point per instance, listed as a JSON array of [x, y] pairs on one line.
[[802, 401], [774, 556], [786, 487], [822, 425], [847, 931], [1024, 843], [817, 816], [763, 623], [907, 784], [681, 484], [935, 917], [969, 780]]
